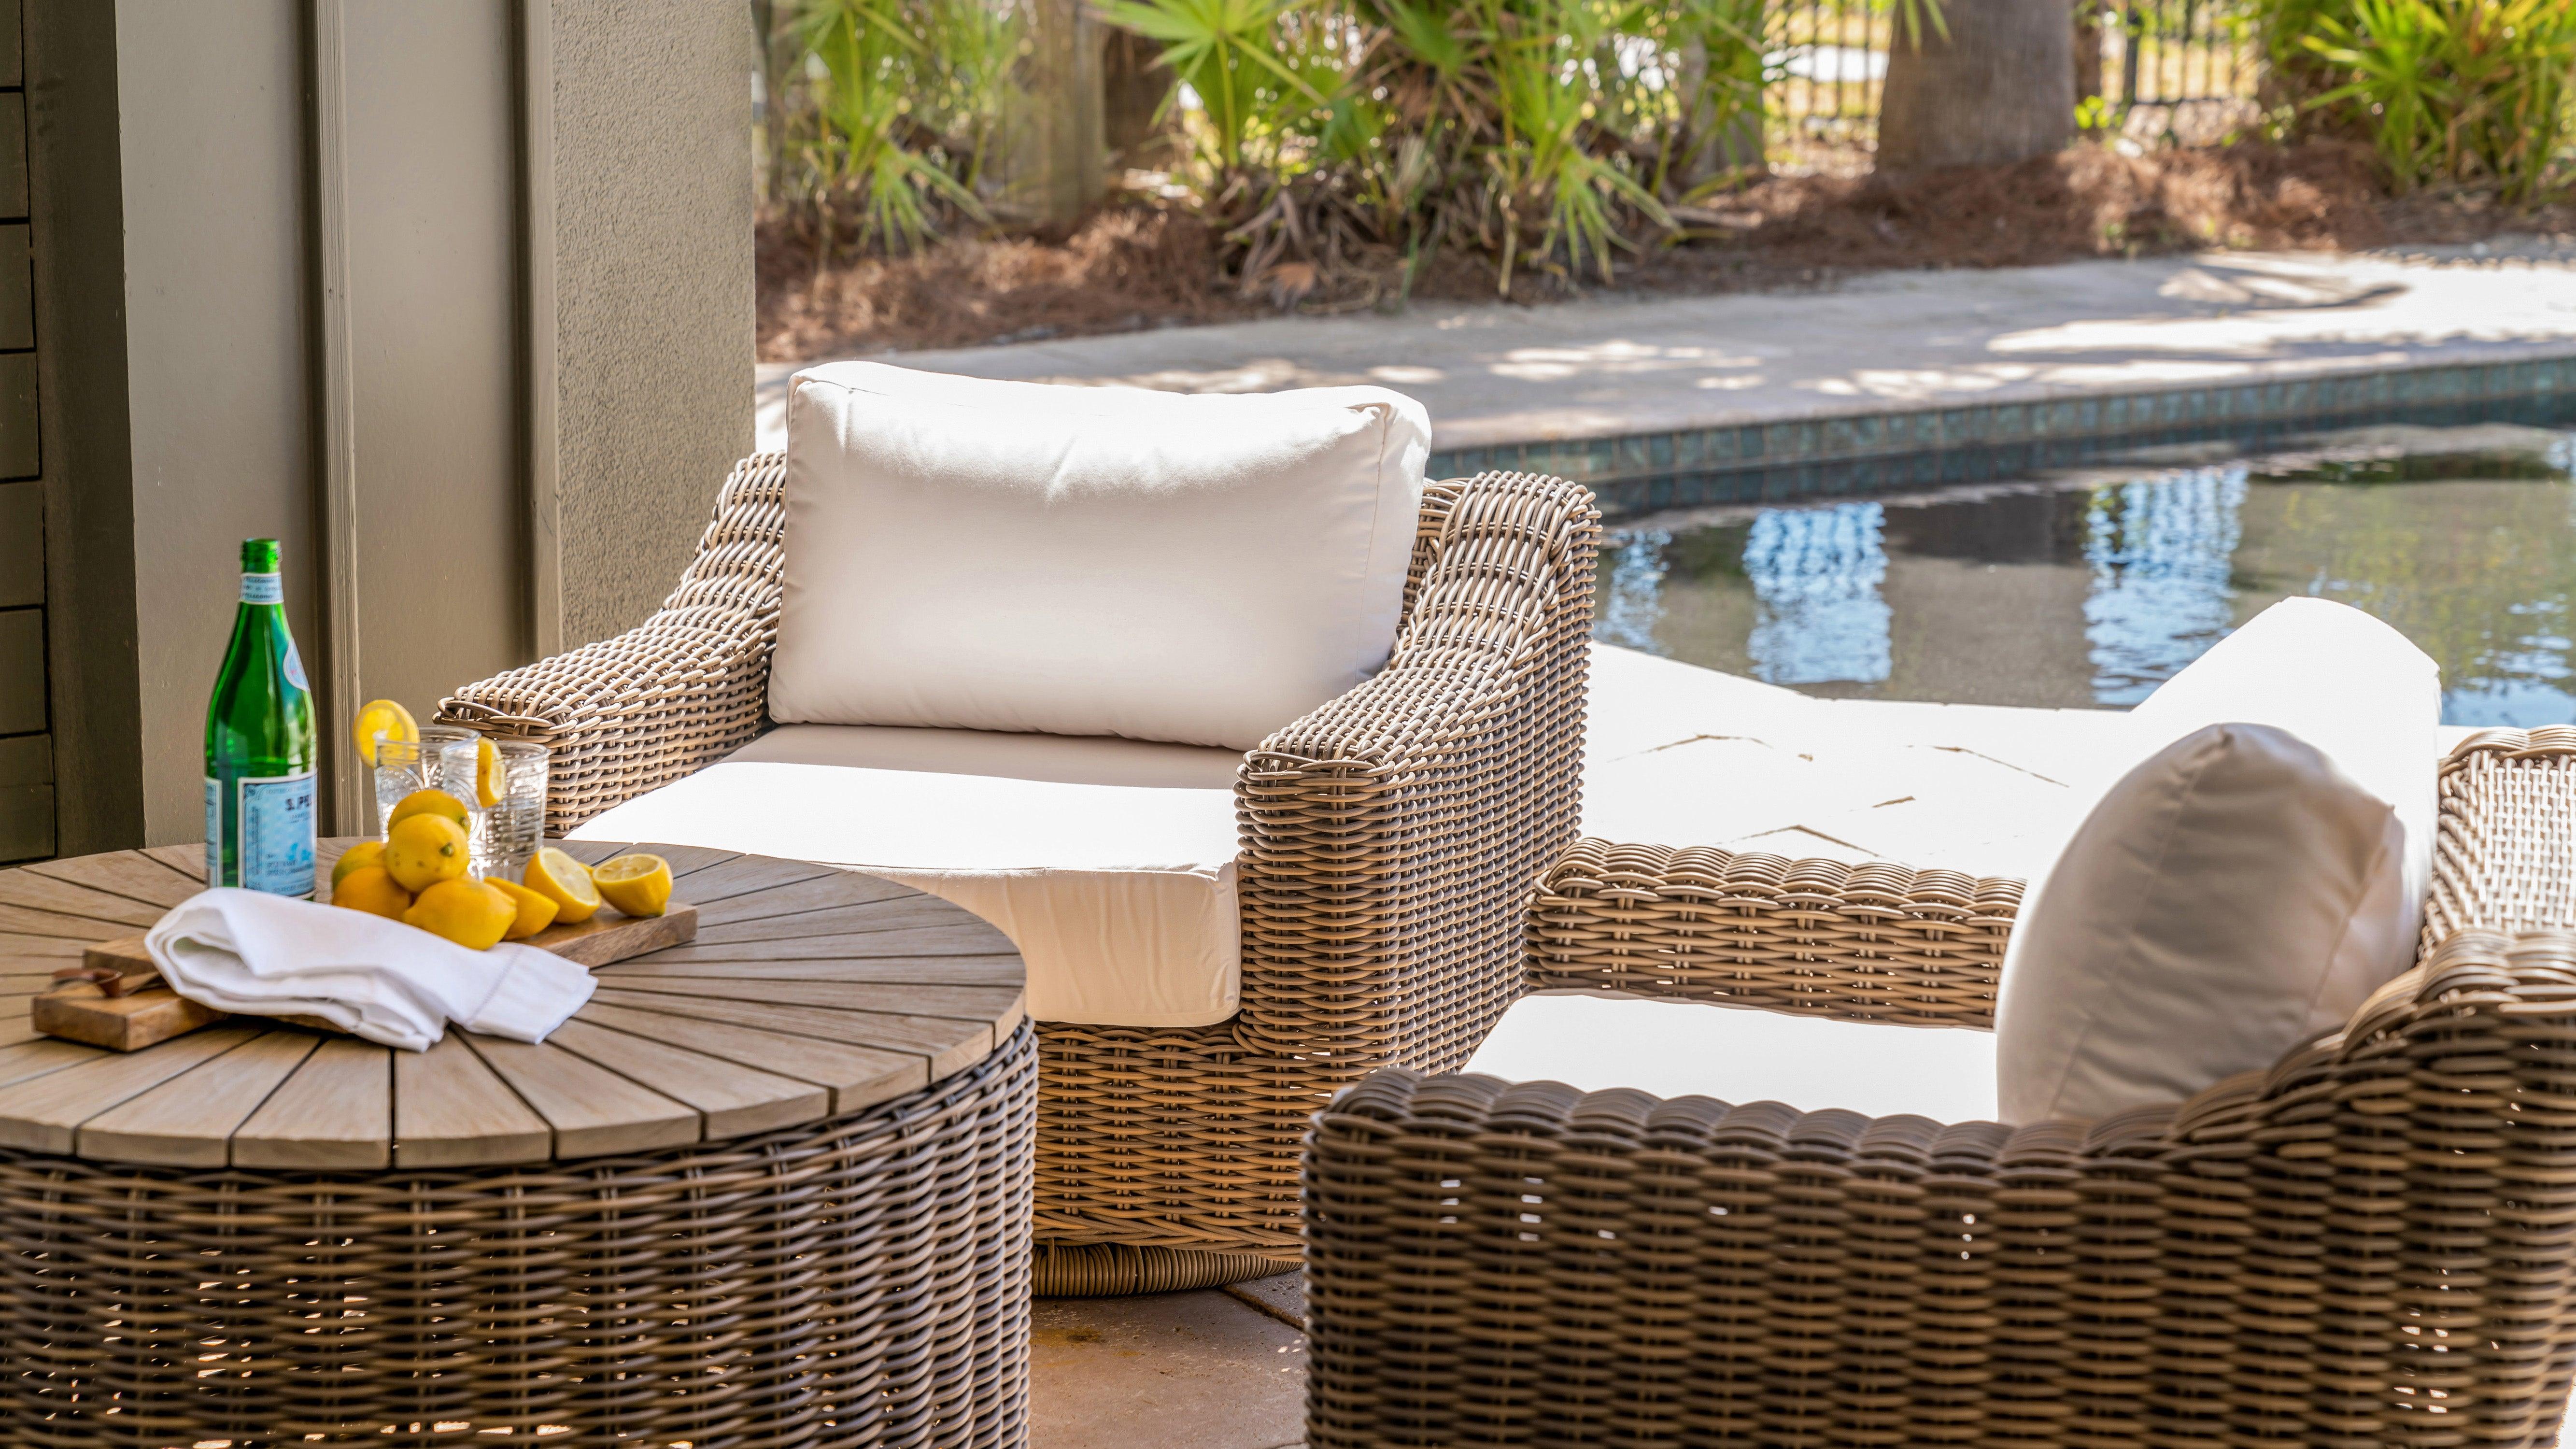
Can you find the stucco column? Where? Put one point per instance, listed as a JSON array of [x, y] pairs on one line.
[[640, 296]]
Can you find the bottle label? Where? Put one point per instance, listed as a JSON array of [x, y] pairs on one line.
[[276, 850], [262, 589]]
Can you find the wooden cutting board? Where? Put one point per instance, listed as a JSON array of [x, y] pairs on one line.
[[146, 1012]]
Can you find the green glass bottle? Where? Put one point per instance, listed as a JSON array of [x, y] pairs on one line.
[[261, 749]]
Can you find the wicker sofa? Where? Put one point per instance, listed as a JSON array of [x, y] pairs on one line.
[[1388, 841], [2372, 1244]]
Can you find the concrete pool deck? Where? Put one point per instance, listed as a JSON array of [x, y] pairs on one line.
[[1629, 394]]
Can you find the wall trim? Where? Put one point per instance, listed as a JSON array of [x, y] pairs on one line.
[[540, 374], [335, 420], [75, 171]]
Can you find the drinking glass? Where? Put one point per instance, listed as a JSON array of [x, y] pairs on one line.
[[442, 758], [508, 831]]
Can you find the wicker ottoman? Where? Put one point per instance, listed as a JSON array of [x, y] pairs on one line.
[[860, 1278]]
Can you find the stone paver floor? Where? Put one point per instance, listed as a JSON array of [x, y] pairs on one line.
[[1223, 1369]]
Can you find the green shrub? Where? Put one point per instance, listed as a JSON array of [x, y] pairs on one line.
[[894, 111], [1542, 133], [2475, 91]]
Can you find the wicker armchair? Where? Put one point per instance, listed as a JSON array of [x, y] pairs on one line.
[[1388, 844], [2371, 1244]]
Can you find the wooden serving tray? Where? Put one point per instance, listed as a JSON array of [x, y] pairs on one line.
[[149, 1012]]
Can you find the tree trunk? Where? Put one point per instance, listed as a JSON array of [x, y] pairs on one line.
[[2000, 88], [1064, 169], [2088, 50], [1133, 83]]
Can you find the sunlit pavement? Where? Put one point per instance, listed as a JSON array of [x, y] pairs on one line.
[[1889, 341]]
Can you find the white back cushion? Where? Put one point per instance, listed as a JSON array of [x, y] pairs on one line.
[[2246, 887], [971, 554], [2358, 690]]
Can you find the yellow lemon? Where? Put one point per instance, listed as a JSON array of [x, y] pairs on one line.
[[386, 718], [565, 881], [426, 802], [370, 889], [468, 912], [425, 850], [357, 857], [487, 773], [536, 912], [639, 885]]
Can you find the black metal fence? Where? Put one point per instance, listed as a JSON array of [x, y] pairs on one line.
[[2170, 69], [2177, 52]]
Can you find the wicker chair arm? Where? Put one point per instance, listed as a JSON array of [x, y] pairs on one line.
[[669, 696], [2504, 855], [1389, 836], [1875, 942], [2315, 1253]]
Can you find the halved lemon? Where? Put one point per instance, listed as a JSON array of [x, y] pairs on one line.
[[565, 881], [487, 773], [536, 912], [385, 718], [639, 885]]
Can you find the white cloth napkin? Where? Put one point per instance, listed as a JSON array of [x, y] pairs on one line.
[[264, 955]]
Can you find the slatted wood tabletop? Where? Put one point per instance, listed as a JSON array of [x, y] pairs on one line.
[[809, 992]]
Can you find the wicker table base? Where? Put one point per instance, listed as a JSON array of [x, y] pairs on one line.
[[861, 1280]]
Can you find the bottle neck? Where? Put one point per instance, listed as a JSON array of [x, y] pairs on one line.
[[262, 589]]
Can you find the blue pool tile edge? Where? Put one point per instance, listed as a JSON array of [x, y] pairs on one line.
[[1895, 451]]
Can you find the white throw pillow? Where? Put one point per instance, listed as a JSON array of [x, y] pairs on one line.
[[2245, 888], [963, 553]]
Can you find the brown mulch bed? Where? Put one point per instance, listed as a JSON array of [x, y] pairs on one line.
[[1124, 269], [1136, 266]]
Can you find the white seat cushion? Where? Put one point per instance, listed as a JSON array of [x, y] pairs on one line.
[[964, 553], [1108, 862], [1743, 1054]]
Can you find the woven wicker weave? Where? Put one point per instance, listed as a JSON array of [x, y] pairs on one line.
[[861, 1280], [1389, 842], [2372, 1244], [1877, 942]]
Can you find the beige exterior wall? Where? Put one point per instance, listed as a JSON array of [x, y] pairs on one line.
[[546, 370], [429, 197], [652, 199], [210, 93]]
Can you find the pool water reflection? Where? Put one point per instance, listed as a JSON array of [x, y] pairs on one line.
[[2093, 592]]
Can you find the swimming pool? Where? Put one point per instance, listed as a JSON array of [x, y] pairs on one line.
[[2091, 589]]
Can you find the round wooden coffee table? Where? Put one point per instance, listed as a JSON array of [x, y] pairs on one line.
[[771, 1187]]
